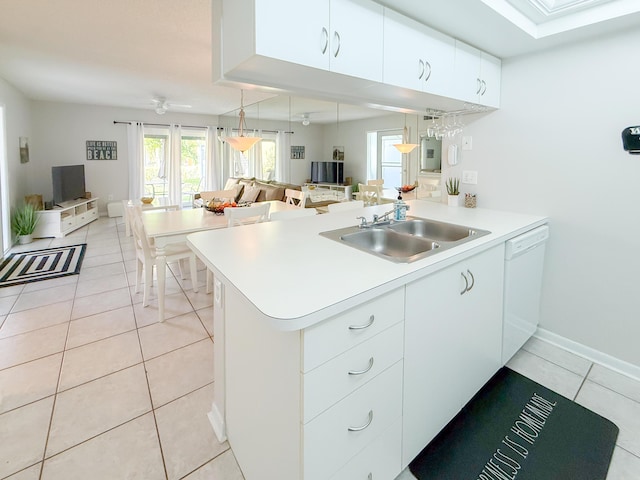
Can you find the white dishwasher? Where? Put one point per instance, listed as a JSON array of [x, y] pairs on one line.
[[524, 260]]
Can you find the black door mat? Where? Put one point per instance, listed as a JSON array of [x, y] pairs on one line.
[[516, 429]]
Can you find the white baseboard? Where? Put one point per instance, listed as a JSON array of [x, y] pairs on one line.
[[217, 422], [596, 356]]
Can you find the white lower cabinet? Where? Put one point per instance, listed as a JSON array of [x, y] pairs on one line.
[[379, 461], [360, 394], [336, 436], [61, 221], [453, 334]]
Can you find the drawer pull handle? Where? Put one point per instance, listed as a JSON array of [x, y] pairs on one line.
[[359, 429], [362, 372], [466, 284], [362, 327], [473, 280]]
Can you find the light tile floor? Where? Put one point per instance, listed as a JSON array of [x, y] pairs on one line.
[[91, 386]]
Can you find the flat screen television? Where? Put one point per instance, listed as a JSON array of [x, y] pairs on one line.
[[327, 172], [68, 183]]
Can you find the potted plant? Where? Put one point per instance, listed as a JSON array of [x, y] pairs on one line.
[[23, 222], [453, 190]]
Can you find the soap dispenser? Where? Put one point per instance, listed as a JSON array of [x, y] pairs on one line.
[[400, 209]]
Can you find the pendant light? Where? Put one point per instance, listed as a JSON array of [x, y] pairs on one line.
[[241, 143], [405, 146]]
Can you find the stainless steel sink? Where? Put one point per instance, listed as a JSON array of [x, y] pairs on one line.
[[405, 241], [387, 243], [439, 231]]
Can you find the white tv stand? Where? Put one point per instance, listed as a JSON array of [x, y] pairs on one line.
[[66, 217]]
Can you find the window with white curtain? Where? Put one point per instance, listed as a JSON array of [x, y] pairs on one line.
[[190, 171]]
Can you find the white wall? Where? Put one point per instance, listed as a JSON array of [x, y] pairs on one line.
[[60, 132], [17, 124], [555, 148], [352, 136]]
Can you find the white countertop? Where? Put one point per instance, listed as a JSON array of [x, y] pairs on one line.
[[295, 277]]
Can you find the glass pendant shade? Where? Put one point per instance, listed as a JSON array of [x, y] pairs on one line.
[[405, 146], [241, 143]]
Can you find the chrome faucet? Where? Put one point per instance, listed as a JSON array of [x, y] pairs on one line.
[[380, 219]]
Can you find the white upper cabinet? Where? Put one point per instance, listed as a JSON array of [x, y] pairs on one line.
[[353, 51], [477, 75], [416, 56], [343, 36], [356, 36], [294, 31]]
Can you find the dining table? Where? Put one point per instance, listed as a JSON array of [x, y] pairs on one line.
[[170, 227]]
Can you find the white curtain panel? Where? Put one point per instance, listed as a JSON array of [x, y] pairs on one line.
[[175, 178], [213, 163], [283, 157], [135, 148]]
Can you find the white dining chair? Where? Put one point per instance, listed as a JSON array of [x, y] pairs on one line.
[[379, 182], [369, 194], [344, 206], [146, 258], [295, 197], [256, 213], [290, 214]]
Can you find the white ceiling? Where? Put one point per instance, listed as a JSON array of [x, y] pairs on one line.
[[126, 52]]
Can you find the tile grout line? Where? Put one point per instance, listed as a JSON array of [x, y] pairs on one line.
[[55, 396], [146, 375], [584, 379]]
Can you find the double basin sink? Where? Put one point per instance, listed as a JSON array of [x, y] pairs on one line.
[[405, 241]]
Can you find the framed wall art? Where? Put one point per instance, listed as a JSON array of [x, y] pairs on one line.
[[297, 151], [24, 150], [102, 150]]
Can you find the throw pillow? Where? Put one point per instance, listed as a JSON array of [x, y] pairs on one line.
[[250, 194], [269, 192], [231, 182]]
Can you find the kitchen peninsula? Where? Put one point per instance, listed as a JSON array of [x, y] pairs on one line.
[[332, 363]]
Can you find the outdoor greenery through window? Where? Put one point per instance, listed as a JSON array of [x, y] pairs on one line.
[[156, 164]]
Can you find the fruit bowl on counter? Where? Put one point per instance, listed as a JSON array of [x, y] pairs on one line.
[[406, 188], [218, 207], [146, 200]]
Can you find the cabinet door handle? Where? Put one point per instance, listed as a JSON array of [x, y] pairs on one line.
[[473, 280], [324, 41], [466, 284], [362, 372], [484, 87], [362, 327], [359, 429], [420, 69], [336, 36], [479, 86], [428, 75]]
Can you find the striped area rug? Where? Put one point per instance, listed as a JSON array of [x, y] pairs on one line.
[[25, 267]]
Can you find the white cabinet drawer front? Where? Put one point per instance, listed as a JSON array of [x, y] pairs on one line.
[[341, 375], [67, 222], [379, 461], [328, 339], [370, 410]]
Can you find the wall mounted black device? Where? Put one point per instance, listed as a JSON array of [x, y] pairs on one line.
[[631, 140]]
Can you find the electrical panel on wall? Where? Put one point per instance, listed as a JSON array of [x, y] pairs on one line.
[[631, 140]]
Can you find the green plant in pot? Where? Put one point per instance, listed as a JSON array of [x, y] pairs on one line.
[[23, 222], [453, 190]]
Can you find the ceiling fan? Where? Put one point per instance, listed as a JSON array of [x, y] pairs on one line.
[[161, 105]]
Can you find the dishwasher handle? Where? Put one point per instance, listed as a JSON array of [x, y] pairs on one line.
[[526, 242]]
